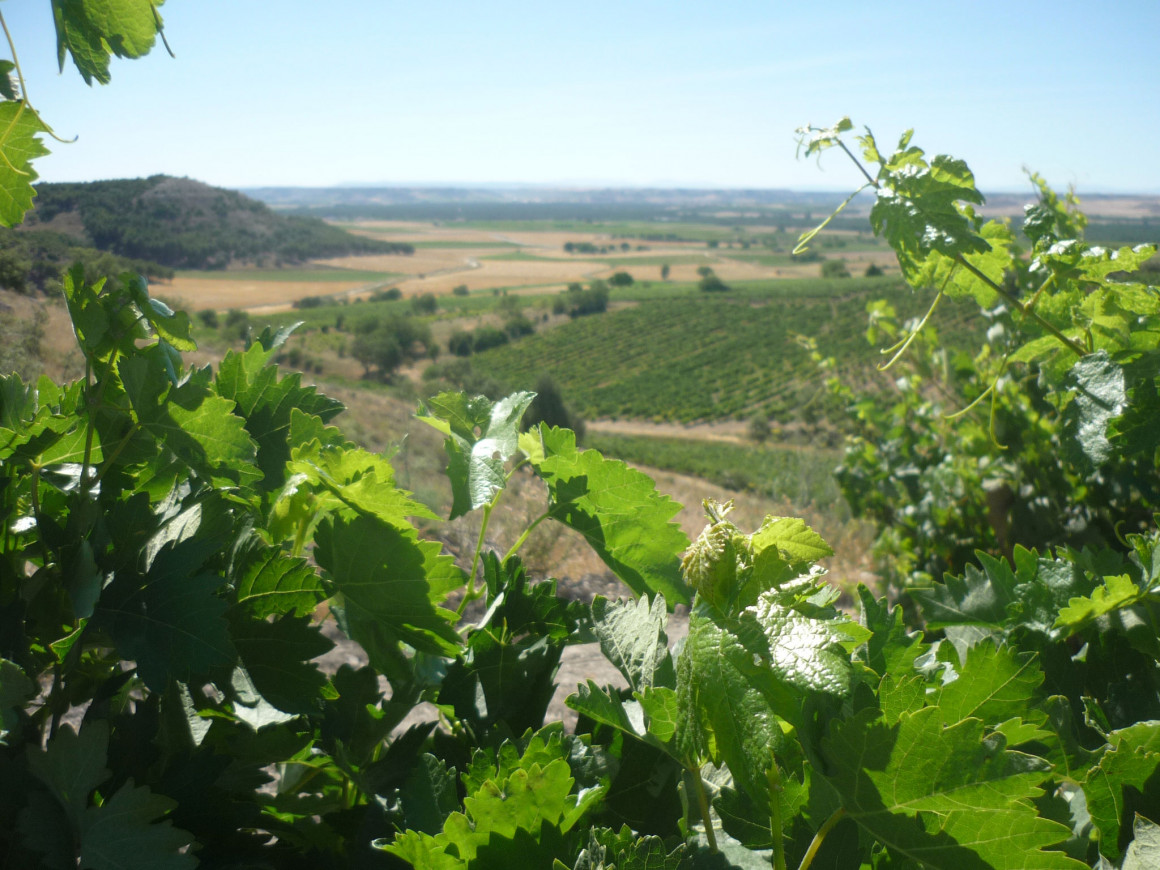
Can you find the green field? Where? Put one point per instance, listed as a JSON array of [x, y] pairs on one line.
[[804, 476], [682, 355]]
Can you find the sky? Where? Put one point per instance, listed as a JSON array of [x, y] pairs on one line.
[[629, 93]]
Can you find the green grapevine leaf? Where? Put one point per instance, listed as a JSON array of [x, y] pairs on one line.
[[72, 765], [19, 127], [124, 834], [174, 624], [917, 209], [792, 538], [662, 711], [503, 680], [748, 823], [429, 795], [15, 690], [890, 648], [1099, 397], [943, 796], [481, 436], [728, 703], [8, 86], [818, 139], [900, 694], [1116, 593], [389, 582], [250, 705], [632, 637], [267, 403], [622, 850], [197, 426], [802, 649], [92, 31], [171, 326], [617, 509], [277, 657], [533, 806], [994, 684], [603, 706], [272, 583], [710, 564], [1132, 757]]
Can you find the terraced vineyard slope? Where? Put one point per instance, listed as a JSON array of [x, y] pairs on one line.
[[700, 357]]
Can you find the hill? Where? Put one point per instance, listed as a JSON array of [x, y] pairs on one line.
[[181, 223]]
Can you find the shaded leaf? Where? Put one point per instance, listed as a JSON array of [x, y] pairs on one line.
[[173, 625], [277, 657], [124, 834], [72, 765], [389, 582], [1132, 757], [943, 796]]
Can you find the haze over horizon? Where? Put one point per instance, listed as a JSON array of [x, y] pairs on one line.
[[637, 95]]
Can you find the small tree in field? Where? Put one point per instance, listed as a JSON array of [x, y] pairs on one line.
[[835, 269]]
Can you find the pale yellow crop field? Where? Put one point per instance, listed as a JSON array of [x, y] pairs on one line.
[[449, 256], [195, 294]]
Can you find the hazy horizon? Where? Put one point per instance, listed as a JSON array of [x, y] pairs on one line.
[[627, 95]]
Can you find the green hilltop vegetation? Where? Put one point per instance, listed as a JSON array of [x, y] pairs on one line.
[[184, 224], [34, 261]]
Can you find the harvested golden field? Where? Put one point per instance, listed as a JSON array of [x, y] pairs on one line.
[[194, 294], [446, 257]]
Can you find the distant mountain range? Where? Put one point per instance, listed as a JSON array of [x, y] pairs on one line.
[[531, 202], [322, 197]]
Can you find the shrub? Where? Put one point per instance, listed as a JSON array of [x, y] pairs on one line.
[[487, 337], [518, 326], [710, 282], [835, 269], [425, 304], [460, 343]]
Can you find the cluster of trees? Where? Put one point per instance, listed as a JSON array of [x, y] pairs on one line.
[[835, 269], [577, 301], [382, 344], [34, 261], [464, 343], [182, 223], [589, 248], [710, 282]]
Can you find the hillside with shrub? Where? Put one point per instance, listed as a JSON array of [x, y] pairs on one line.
[[184, 224]]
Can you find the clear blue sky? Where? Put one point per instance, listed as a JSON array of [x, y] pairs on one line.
[[308, 93]]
